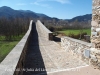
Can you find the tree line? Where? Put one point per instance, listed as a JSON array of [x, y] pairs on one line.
[[62, 25], [13, 28]]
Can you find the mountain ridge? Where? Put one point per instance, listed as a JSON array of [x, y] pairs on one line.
[[8, 12]]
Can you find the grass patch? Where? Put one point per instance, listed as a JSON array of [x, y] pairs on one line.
[[7, 46], [75, 31]]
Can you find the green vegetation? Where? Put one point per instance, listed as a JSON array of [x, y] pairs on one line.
[[11, 32], [7, 46], [75, 31], [15, 38]]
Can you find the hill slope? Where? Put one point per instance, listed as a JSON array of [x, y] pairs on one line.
[[11, 13]]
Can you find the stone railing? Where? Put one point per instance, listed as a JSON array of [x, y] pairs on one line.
[[14, 61], [95, 58], [43, 31], [78, 48]]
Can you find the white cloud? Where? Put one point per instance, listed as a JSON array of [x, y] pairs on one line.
[[63, 1], [60, 1], [41, 4], [21, 4], [36, 3]]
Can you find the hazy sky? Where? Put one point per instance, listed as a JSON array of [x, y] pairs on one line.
[[63, 9]]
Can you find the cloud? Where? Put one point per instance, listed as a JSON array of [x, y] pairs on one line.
[[63, 1], [60, 1], [41, 4], [35, 3], [21, 4]]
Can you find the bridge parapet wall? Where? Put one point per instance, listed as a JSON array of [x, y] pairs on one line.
[[43, 31], [95, 34], [78, 48], [14, 61]]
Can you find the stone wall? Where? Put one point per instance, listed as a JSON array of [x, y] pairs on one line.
[[95, 34], [14, 60], [78, 48], [43, 31]]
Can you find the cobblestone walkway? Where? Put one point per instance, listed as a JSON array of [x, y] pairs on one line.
[[48, 55], [56, 59]]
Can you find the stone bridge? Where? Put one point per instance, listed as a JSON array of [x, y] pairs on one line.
[[38, 54]]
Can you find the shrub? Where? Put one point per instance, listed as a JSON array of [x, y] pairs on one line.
[[78, 36]]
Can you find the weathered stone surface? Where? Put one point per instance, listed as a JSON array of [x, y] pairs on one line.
[[93, 58], [44, 32], [95, 36], [94, 23], [97, 29], [76, 47], [16, 57]]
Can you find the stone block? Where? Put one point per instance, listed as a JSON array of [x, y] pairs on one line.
[[87, 53], [94, 23], [93, 29], [97, 29], [93, 58], [99, 65], [50, 36], [98, 56], [99, 60], [98, 33], [93, 45], [87, 37], [94, 33]]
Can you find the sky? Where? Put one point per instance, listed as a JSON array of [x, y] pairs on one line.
[[62, 9]]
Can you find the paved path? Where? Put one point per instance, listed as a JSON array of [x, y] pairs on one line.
[[80, 71], [48, 55]]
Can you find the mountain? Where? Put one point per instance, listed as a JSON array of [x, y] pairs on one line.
[[11, 13], [86, 17]]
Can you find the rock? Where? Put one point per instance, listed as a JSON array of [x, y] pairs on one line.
[[99, 64], [99, 60], [98, 56], [93, 58]]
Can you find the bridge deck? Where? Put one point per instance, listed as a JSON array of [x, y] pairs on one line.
[[43, 54]]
